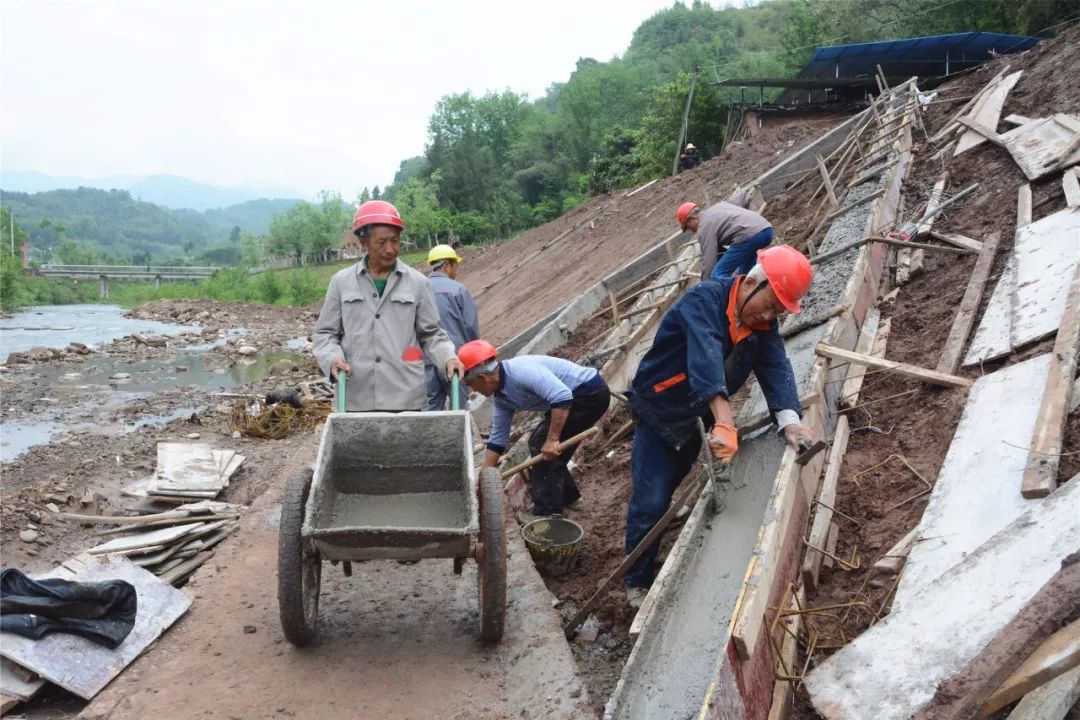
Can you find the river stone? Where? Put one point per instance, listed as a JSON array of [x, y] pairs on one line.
[[29, 536], [19, 358], [246, 350], [120, 376]]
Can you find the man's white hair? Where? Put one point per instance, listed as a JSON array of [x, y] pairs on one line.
[[485, 368], [758, 274]]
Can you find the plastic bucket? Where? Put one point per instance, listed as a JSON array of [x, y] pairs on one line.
[[554, 543]]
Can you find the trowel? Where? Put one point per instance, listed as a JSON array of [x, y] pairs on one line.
[[719, 480]]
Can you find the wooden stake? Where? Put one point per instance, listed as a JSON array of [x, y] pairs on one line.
[[614, 307], [1040, 473], [911, 371], [819, 533], [827, 182], [965, 316]]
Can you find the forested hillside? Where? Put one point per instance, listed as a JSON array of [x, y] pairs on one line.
[[499, 163]]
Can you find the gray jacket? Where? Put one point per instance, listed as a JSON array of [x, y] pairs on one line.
[[725, 224], [457, 311], [384, 339]]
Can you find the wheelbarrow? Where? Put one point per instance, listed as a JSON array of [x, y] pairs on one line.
[[391, 486]]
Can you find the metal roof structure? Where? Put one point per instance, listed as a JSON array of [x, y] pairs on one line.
[[933, 56]]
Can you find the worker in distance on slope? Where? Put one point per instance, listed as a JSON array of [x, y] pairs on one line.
[[379, 320], [573, 398], [705, 348], [689, 158], [457, 316], [729, 234]]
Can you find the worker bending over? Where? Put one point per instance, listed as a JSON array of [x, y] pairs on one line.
[[379, 320], [729, 234], [457, 316], [704, 349], [573, 398]]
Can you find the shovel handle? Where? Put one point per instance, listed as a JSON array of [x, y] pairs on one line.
[[568, 443], [341, 377], [455, 393]]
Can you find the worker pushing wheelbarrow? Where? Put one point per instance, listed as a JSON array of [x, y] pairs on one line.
[[387, 485]]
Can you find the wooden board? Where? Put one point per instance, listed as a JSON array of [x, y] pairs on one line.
[[1052, 701], [911, 371], [187, 467], [1040, 472], [152, 538], [1037, 147], [894, 670], [83, 667], [1059, 654], [987, 111], [849, 392], [18, 682], [1071, 187], [1029, 302], [969, 305], [819, 531], [958, 240], [977, 491]]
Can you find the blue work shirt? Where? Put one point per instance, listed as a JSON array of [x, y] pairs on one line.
[[533, 382], [457, 311], [693, 359]]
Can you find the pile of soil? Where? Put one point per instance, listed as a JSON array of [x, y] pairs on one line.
[[919, 427]]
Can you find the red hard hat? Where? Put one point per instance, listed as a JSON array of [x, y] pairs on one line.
[[684, 212], [789, 274], [475, 353], [377, 212]]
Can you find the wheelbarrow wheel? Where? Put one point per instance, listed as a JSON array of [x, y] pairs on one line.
[[299, 565], [491, 564]]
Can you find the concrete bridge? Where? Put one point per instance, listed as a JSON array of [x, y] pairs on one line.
[[148, 273]]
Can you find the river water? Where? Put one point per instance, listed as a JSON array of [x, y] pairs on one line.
[[56, 326]]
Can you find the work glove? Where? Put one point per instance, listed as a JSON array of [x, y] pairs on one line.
[[723, 442]]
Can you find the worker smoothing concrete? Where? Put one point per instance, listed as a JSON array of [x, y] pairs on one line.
[[457, 316], [573, 398], [729, 234], [705, 348], [379, 320]]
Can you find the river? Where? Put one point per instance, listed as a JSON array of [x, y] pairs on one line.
[[57, 325]]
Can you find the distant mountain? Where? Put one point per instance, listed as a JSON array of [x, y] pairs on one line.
[[171, 191]]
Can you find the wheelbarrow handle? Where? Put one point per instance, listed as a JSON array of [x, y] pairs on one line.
[[455, 393], [568, 443], [342, 376]]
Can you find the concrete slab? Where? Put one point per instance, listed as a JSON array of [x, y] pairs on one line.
[[893, 670], [978, 488], [1052, 701]]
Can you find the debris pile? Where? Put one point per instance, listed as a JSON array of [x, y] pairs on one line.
[[188, 472]]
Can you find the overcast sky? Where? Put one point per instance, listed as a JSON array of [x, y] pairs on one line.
[[324, 94]]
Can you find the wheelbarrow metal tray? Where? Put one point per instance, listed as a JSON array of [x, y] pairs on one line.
[[394, 486]]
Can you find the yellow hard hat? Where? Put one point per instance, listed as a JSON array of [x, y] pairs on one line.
[[440, 253]]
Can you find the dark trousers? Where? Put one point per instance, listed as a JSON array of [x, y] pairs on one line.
[[551, 485], [438, 390], [740, 257], [657, 469]]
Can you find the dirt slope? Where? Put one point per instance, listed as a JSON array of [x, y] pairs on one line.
[[920, 426], [524, 286]]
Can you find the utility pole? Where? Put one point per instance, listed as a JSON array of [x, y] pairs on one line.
[[685, 120], [11, 230]]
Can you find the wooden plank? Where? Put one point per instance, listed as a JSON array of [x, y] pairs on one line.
[[186, 467], [969, 305], [819, 532], [932, 202], [1040, 472], [1023, 206], [1051, 701], [1018, 119], [827, 182], [1058, 654], [1046, 257], [987, 112], [979, 130], [785, 665], [1070, 184], [977, 492], [18, 682], [893, 560], [894, 670], [958, 240], [8, 703], [84, 667], [950, 126], [152, 538], [911, 371], [849, 391], [1044, 146]]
